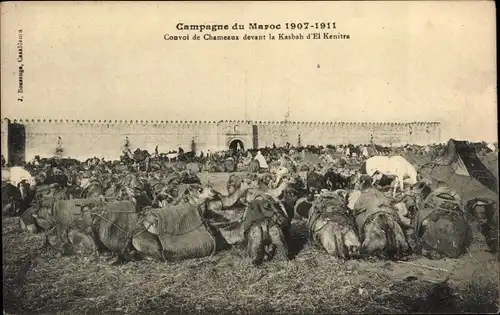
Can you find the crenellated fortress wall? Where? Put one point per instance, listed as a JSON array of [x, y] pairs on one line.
[[82, 139], [323, 133]]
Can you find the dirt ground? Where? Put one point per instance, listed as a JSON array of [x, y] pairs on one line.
[[40, 281]]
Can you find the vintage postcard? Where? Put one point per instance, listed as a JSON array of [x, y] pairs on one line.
[[249, 157]]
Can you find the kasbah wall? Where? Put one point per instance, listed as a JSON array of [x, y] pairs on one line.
[[84, 139]]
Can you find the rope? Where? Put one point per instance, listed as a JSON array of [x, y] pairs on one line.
[[96, 214], [185, 232]]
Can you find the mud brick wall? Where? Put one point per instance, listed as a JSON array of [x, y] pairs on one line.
[[323, 133], [83, 139]]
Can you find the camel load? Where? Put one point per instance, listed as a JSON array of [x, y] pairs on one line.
[[441, 227], [331, 226], [182, 232], [355, 204]]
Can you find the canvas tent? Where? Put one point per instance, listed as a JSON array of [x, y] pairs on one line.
[[417, 160], [490, 160], [460, 168]]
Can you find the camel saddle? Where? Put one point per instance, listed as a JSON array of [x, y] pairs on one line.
[[442, 199], [183, 232], [262, 207], [444, 209], [371, 202], [329, 206]]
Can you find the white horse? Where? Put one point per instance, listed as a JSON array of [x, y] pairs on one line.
[[396, 166], [172, 156]]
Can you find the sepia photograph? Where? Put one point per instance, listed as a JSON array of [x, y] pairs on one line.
[[249, 157]]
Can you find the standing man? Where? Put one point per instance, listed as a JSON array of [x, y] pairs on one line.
[[126, 146], [59, 146], [180, 154], [262, 161]]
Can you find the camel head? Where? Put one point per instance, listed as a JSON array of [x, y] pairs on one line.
[[352, 198], [134, 188], [342, 194], [420, 191], [363, 182], [164, 191], [205, 193], [248, 184], [83, 181], [420, 177], [137, 183], [285, 180], [40, 177], [266, 179]]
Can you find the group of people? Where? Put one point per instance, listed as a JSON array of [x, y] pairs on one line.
[[126, 149]]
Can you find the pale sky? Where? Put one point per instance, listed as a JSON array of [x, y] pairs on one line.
[[405, 61]]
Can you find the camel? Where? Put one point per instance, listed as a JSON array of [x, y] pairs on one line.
[[278, 172], [330, 225], [90, 188], [274, 192], [137, 195], [269, 193], [254, 166], [288, 192], [122, 232], [113, 191], [381, 231], [441, 228], [226, 202], [53, 191], [131, 187], [264, 226]]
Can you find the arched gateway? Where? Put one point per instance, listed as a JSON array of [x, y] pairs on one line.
[[233, 144]]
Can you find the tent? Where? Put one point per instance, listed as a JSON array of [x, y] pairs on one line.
[[460, 168], [416, 159], [490, 160]]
